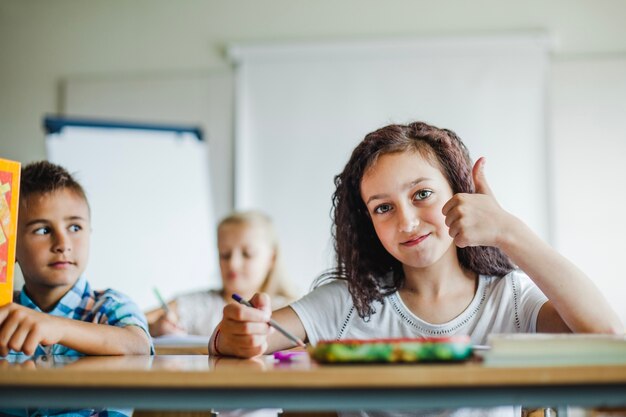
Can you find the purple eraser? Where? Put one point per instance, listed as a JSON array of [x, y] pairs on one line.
[[287, 355]]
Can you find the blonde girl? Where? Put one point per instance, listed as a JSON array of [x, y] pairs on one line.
[[250, 262]]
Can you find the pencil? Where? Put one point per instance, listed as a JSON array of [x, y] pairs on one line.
[[272, 323], [164, 305]]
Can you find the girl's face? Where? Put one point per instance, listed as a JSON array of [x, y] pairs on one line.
[[404, 195], [246, 257]]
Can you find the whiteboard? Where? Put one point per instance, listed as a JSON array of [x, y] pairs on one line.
[[302, 107], [149, 192], [181, 98]]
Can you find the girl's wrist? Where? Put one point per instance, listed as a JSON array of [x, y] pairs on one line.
[[510, 234], [216, 338]]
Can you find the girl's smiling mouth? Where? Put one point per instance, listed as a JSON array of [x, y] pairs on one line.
[[415, 240]]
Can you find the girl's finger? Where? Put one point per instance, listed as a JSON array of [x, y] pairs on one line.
[[239, 312], [246, 328]]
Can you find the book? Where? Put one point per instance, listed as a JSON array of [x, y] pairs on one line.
[[9, 198], [542, 349], [398, 350]]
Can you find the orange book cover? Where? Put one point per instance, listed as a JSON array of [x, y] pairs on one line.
[[9, 197]]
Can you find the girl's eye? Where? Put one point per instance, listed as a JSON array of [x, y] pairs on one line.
[[248, 254], [225, 256], [41, 231], [75, 228], [422, 194], [383, 208]]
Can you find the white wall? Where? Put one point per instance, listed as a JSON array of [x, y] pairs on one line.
[[44, 42], [588, 131]]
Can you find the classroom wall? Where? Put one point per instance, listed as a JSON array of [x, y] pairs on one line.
[[43, 43]]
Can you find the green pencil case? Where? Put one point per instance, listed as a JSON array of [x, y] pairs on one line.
[[403, 350]]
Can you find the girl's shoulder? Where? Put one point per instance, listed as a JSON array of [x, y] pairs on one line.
[[335, 289], [515, 283], [516, 276]]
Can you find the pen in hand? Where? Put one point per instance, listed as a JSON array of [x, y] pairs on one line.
[[164, 305], [168, 322], [271, 322]]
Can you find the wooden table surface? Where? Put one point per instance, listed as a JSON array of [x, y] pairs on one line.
[[301, 382], [203, 371]]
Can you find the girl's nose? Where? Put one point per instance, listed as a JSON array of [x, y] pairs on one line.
[[235, 260], [408, 220]]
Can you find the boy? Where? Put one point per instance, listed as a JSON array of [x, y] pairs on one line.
[[57, 312]]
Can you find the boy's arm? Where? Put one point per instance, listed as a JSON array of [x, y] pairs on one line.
[[22, 329]]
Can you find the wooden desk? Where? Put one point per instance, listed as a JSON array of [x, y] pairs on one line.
[[201, 383]]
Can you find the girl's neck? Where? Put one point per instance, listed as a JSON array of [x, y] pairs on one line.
[[437, 280], [440, 292]]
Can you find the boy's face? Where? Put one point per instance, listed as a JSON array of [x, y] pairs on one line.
[[53, 239]]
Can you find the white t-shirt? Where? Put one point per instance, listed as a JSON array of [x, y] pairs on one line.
[[201, 311], [501, 305]]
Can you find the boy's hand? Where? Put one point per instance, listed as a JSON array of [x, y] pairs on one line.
[[22, 329], [244, 330], [476, 219]]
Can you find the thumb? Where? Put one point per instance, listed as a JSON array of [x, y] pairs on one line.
[[480, 181], [262, 302]]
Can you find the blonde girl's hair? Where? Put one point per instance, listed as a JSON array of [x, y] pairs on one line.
[[276, 282]]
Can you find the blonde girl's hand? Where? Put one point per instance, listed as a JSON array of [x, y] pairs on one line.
[[243, 330], [166, 323], [477, 219]]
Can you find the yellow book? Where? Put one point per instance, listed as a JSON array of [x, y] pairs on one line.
[[9, 198]]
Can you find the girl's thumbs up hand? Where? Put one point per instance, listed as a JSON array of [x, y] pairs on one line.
[[477, 219], [480, 180]]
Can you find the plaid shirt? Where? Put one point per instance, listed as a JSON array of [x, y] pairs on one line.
[[84, 304]]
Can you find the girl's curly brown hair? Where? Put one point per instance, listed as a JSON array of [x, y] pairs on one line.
[[371, 272]]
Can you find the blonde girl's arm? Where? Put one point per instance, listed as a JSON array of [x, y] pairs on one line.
[[244, 332], [575, 303]]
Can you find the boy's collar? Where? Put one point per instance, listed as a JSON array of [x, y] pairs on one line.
[[71, 299]]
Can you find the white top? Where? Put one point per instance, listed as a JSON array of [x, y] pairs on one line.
[[200, 312], [501, 305]]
